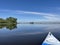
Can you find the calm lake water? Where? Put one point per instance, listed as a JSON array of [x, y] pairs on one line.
[[28, 34]]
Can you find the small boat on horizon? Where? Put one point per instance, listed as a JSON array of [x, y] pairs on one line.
[[51, 40]]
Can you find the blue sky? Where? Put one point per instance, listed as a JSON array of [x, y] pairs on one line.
[[31, 10]]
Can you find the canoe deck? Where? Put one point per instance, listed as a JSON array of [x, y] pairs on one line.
[[51, 40]]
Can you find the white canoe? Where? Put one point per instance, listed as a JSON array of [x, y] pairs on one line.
[[51, 40]]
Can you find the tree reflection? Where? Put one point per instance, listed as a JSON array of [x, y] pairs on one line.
[[8, 26], [9, 23]]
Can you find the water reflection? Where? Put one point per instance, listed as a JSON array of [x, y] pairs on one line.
[[8, 26], [27, 34]]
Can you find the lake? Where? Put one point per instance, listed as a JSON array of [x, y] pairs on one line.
[[27, 34]]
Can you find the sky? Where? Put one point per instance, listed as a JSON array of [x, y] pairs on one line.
[[30, 10]]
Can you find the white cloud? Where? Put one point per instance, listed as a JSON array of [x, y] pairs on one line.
[[48, 16]]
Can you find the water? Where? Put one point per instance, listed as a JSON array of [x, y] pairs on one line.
[[27, 34]]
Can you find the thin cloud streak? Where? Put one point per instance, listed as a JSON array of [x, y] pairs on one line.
[[48, 16]]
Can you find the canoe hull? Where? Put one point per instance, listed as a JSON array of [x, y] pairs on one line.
[[51, 40]]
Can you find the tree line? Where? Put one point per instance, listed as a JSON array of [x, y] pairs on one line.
[[8, 20]]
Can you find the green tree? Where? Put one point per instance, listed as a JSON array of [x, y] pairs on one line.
[[11, 20], [2, 20]]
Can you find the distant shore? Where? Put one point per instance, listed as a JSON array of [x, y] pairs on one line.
[[38, 23]]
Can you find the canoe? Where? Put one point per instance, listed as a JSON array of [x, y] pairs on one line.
[[51, 40]]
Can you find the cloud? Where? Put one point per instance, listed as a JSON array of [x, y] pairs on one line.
[[47, 16], [36, 13]]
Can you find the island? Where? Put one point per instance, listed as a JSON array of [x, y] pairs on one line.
[[10, 23]]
